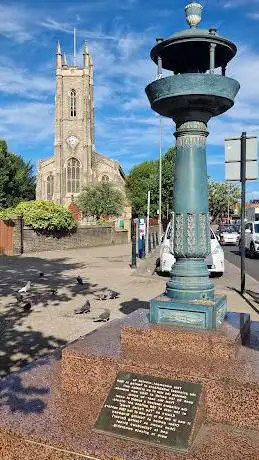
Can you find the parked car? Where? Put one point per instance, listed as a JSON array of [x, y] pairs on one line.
[[228, 234], [252, 238], [215, 261]]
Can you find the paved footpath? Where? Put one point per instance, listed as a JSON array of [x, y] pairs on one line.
[[52, 322]]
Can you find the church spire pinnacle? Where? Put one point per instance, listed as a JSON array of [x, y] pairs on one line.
[[65, 59], [58, 48], [58, 56], [86, 56]]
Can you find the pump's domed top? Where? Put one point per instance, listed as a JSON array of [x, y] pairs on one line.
[[189, 50]]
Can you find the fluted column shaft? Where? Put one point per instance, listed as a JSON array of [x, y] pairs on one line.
[[190, 278]]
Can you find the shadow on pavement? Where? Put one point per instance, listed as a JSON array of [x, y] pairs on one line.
[[236, 252], [245, 298], [19, 345], [133, 305], [18, 395], [254, 295]]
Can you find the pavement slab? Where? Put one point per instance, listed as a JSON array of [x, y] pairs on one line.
[[52, 322]]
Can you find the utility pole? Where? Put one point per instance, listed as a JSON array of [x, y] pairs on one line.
[[243, 208]]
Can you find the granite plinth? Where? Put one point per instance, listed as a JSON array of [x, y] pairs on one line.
[[49, 410], [169, 344], [207, 314]]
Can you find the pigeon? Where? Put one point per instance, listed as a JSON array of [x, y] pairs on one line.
[[25, 288], [19, 297], [86, 308], [79, 280], [114, 295], [105, 316], [27, 307], [101, 296], [41, 274]]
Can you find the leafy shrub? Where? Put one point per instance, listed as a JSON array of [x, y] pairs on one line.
[[42, 216]]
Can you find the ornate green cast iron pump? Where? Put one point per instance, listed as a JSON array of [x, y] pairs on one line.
[[197, 90]]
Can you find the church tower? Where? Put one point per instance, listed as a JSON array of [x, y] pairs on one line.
[[74, 126], [75, 162]]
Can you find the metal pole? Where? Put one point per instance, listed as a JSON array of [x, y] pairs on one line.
[[243, 204], [133, 245], [143, 254], [74, 47], [160, 180], [160, 75], [228, 202], [148, 215]]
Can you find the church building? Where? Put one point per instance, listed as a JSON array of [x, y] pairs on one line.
[[75, 162]]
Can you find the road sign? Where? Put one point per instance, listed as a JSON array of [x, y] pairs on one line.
[[233, 158]]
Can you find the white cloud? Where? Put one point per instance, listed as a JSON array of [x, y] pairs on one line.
[[27, 123], [244, 116], [130, 44], [68, 28], [14, 23], [253, 15], [52, 24], [238, 3], [22, 82]]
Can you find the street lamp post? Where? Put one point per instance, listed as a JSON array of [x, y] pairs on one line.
[[192, 95], [160, 75], [160, 178]]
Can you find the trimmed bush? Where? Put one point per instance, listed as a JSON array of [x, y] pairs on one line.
[[42, 216]]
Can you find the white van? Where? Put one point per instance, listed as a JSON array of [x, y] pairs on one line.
[[215, 261], [252, 238]]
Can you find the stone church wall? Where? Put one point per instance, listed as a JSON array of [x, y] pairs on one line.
[[84, 237]]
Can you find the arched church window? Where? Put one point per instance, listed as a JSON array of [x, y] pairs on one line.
[[50, 187], [73, 176], [105, 179], [73, 103]]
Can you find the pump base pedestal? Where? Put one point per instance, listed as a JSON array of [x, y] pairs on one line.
[[207, 314]]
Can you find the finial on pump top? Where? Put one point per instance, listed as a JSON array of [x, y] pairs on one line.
[[193, 13]]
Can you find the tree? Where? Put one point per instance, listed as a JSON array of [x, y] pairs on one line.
[[222, 196], [17, 181], [100, 200], [145, 177], [141, 179], [168, 171]]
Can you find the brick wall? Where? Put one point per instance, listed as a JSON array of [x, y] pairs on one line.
[[84, 237]]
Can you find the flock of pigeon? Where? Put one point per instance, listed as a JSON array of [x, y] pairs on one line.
[[86, 307]]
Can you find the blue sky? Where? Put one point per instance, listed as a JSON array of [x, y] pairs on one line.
[[120, 34]]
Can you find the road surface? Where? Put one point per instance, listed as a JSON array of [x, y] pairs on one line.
[[233, 256]]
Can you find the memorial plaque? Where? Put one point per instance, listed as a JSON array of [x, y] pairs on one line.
[[150, 409]]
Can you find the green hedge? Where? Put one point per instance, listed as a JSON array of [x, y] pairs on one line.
[[42, 216]]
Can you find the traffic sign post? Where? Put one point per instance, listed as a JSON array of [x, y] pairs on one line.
[[243, 209], [241, 164]]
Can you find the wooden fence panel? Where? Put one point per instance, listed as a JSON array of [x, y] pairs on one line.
[[6, 238]]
